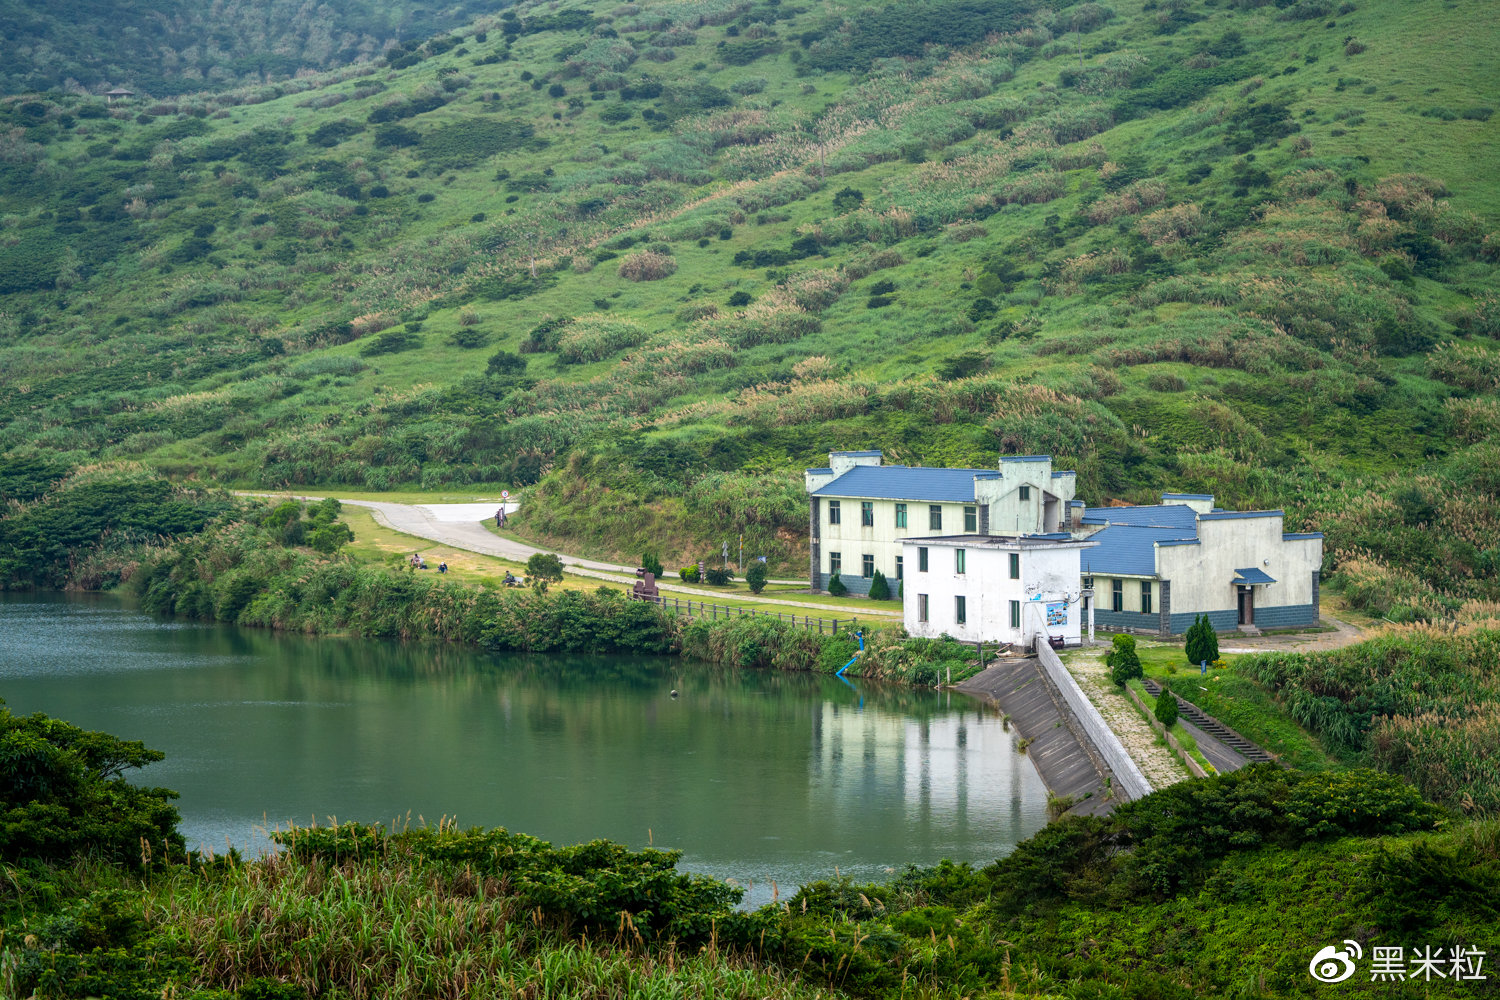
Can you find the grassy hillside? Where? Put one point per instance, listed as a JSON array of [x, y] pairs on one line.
[[164, 47], [660, 256]]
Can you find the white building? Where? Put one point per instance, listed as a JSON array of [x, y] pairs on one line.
[[1156, 568], [995, 588], [860, 512]]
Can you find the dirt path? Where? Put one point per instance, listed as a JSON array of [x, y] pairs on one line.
[[1344, 634], [1160, 766]]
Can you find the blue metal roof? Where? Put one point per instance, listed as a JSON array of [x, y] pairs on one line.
[[1025, 458], [899, 482], [1187, 496], [1170, 515], [1252, 576], [1127, 549], [1064, 472], [820, 472], [1295, 535], [858, 454]]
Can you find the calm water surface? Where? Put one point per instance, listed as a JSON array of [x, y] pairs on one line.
[[753, 775]]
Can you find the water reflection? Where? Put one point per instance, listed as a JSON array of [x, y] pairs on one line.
[[754, 775]]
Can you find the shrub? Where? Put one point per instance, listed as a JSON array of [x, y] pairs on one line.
[[880, 590], [1166, 707], [755, 576], [390, 342], [647, 266], [651, 563], [688, 574], [1123, 661], [469, 338], [836, 586], [1202, 641], [542, 569], [718, 577]]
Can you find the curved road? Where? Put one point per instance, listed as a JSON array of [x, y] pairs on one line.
[[459, 525]]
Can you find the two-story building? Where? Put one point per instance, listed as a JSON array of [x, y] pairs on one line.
[[1157, 567], [995, 588], [861, 512]]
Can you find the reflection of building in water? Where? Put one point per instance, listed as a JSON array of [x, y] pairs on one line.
[[946, 772]]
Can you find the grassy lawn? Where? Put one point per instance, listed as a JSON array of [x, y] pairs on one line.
[[1239, 703]]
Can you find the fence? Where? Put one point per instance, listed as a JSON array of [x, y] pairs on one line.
[[1132, 781], [701, 609]]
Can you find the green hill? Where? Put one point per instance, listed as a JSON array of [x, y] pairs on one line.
[[662, 255], [166, 47]]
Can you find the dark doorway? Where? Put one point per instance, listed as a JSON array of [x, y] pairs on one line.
[[1247, 605]]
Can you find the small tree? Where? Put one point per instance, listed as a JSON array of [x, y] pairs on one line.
[[651, 563], [689, 573], [755, 576], [879, 589], [836, 586], [543, 568], [1210, 640], [1123, 661], [1202, 641], [1166, 707]]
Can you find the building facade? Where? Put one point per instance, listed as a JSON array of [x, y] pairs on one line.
[[995, 588], [1157, 567], [861, 512]]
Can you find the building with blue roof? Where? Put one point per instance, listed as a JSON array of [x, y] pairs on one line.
[[1158, 566], [862, 510]]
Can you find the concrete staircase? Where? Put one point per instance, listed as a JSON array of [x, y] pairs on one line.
[[1212, 726]]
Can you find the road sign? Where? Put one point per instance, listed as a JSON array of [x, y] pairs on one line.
[[505, 494]]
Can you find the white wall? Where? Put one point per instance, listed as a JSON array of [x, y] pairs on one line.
[[1202, 575], [883, 540], [1048, 573]]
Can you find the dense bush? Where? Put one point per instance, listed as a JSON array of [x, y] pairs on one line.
[[1122, 659]]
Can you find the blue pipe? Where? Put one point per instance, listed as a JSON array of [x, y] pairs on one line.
[[861, 637]]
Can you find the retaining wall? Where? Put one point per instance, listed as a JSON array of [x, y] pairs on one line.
[[1133, 782]]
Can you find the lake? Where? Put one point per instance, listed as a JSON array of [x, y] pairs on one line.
[[757, 776]]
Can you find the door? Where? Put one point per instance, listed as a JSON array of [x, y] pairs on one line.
[[1247, 605]]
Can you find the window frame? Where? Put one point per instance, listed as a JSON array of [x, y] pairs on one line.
[[1146, 597], [922, 608], [1025, 492], [960, 609], [921, 559], [1015, 614], [867, 513], [1015, 565], [1117, 596], [934, 517], [900, 567], [971, 519], [835, 513], [835, 563], [960, 561], [867, 566], [901, 515]]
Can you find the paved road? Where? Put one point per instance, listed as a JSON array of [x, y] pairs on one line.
[[450, 524]]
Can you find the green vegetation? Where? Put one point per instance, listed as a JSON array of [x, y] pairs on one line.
[[1202, 642], [1122, 659], [1223, 248], [365, 911], [1166, 707]]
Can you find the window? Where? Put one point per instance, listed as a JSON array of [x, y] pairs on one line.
[[835, 562], [960, 609], [959, 559], [1015, 565], [922, 560], [1088, 583], [1118, 595], [935, 516], [1025, 492], [901, 515], [866, 514], [1015, 614], [1145, 597], [833, 512], [867, 566], [900, 569], [971, 520], [921, 607]]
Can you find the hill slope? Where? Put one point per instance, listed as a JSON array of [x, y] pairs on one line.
[[667, 254]]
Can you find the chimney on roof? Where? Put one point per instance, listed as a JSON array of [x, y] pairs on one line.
[[842, 461]]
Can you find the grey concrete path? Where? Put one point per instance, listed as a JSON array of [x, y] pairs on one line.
[[434, 523], [1223, 758], [1062, 757]]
